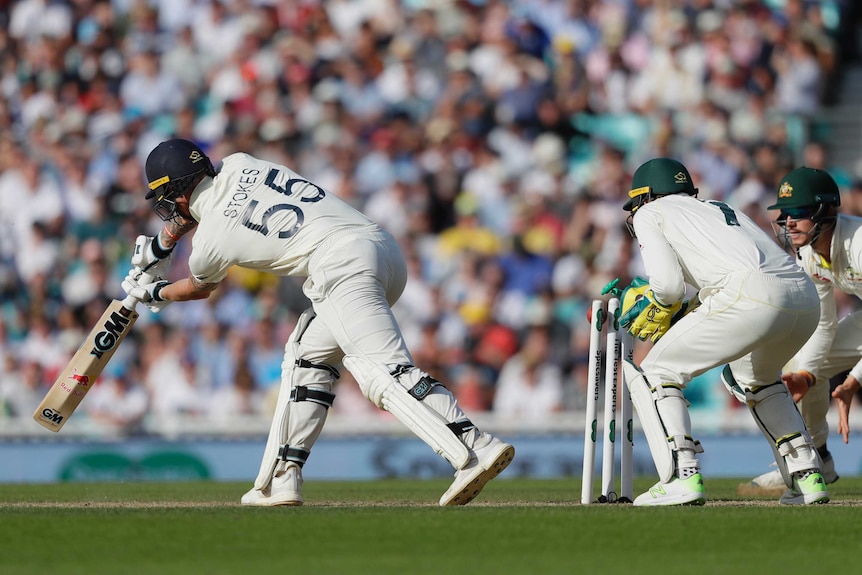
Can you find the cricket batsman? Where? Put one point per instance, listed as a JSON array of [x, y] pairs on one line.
[[264, 216], [757, 308]]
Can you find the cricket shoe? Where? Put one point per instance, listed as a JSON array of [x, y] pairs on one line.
[[774, 480], [809, 488], [485, 464], [677, 491], [284, 489]]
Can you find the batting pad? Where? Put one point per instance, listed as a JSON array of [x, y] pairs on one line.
[[303, 402], [387, 392], [662, 442]]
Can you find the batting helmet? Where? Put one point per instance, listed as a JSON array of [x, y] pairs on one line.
[[172, 169]]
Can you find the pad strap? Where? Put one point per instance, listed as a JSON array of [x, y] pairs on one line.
[[461, 427], [295, 454], [423, 387], [308, 365], [302, 393], [788, 443], [685, 442]]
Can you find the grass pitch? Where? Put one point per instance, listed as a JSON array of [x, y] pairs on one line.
[[515, 527]]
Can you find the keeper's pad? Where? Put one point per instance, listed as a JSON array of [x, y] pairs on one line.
[[779, 420], [304, 399], [663, 413], [421, 403]]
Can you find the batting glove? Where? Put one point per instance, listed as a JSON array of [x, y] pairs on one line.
[[151, 257], [149, 293]]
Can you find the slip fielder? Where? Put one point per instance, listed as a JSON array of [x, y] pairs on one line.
[[828, 246]]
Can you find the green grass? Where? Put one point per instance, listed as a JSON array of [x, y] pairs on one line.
[[515, 527]]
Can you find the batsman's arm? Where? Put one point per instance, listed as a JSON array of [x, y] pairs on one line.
[[175, 229], [187, 289]]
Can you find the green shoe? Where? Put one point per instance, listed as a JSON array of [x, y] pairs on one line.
[[808, 488], [675, 492]]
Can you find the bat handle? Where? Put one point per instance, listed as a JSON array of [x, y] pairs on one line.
[[131, 302]]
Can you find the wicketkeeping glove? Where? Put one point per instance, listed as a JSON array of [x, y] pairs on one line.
[[151, 257], [148, 294], [642, 314]]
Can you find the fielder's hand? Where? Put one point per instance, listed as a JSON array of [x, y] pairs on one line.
[[151, 257], [148, 293], [844, 394], [798, 383]]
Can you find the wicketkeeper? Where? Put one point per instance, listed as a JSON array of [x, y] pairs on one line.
[[757, 308], [828, 246], [264, 216]]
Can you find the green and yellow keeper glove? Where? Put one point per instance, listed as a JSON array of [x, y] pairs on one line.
[[644, 316]]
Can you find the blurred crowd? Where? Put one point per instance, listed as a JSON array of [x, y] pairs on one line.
[[495, 139]]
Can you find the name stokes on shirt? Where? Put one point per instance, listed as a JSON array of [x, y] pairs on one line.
[[247, 180]]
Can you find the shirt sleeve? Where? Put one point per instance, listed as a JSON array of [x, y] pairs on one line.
[[814, 352], [205, 264], [660, 260]]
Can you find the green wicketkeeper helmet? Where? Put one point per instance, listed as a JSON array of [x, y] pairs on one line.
[[658, 177]]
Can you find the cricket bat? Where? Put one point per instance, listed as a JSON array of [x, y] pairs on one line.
[[79, 376]]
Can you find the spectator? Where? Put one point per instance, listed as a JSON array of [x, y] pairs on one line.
[[22, 386], [241, 398], [470, 129], [148, 89], [119, 402], [529, 385]]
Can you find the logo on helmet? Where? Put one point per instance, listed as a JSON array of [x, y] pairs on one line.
[[680, 178], [196, 156], [785, 191]]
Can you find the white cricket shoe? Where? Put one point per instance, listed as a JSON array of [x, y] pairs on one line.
[[773, 480], [769, 480], [485, 464], [808, 488], [677, 491], [284, 489]]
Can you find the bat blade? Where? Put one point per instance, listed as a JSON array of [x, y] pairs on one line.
[[78, 377]]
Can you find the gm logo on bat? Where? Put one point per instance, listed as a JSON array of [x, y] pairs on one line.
[[106, 339], [49, 414]]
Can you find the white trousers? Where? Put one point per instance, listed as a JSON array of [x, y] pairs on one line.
[[351, 287], [754, 322]]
